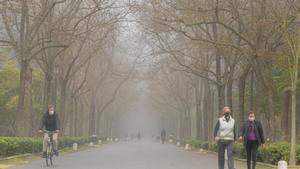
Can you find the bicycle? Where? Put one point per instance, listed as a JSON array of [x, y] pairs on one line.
[[50, 150]]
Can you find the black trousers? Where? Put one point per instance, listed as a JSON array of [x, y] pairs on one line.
[[251, 149]]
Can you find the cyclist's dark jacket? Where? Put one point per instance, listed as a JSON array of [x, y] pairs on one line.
[[49, 122]]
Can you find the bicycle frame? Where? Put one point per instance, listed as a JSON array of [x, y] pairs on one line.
[[50, 150]]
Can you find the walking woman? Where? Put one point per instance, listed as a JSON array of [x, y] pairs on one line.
[[225, 136], [252, 134]]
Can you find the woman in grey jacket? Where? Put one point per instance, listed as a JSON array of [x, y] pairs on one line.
[[225, 136]]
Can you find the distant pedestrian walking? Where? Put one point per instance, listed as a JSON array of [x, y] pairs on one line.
[[139, 136], [225, 136], [163, 136], [252, 134]]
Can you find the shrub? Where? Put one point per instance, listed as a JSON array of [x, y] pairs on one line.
[[275, 152], [3, 147], [213, 147], [270, 153], [194, 143], [10, 146], [239, 150]]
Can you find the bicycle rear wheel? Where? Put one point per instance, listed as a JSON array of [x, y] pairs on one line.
[[48, 159], [51, 158]]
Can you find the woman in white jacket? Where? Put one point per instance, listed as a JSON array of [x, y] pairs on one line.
[[225, 136]]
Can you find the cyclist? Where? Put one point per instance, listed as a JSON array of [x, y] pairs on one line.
[[50, 122]]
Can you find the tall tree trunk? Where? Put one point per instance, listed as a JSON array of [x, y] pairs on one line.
[[75, 126], [182, 126], [63, 98], [178, 131], [211, 114], [293, 120], [229, 92], [198, 93], [49, 56], [47, 90], [188, 125], [92, 123], [294, 68], [220, 86], [82, 109], [206, 109], [33, 123], [98, 122], [23, 114], [252, 91], [24, 103], [285, 108], [271, 114], [92, 116], [53, 98], [71, 118], [242, 87], [221, 97]]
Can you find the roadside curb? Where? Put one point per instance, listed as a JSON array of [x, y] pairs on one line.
[[17, 156], [243, 160], [193, 149], [259, 163], [67, 149]]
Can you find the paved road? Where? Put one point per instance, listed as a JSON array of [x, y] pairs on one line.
[[131, 155]]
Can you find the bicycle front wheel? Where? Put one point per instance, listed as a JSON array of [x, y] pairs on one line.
[[51, 160], [49, 156], [47, 160]]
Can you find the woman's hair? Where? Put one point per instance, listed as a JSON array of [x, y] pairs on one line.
[[226, 107], [50, 106], [252, 112]]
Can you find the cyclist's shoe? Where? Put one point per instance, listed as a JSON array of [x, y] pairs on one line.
[[56, 152], [44, 155]]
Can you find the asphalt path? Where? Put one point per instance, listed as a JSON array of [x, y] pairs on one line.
[[130, 155]]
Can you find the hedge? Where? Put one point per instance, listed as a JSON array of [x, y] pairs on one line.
[[271, 153], [10, 146]]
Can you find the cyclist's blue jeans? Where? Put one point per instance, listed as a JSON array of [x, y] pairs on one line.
[[45, 141]]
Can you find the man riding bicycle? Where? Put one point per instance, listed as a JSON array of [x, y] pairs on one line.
[[50, 123]]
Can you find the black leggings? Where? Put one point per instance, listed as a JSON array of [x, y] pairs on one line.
[[251, 148]]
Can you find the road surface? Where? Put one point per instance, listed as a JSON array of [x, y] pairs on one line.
[[131, 155]]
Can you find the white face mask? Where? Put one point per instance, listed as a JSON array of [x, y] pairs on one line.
[[251, 118], [51, 112]]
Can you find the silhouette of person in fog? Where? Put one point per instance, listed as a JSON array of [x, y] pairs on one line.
[[163, 136], [139, 136]]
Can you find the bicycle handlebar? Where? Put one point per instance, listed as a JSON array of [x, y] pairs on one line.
[[49, 132]]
